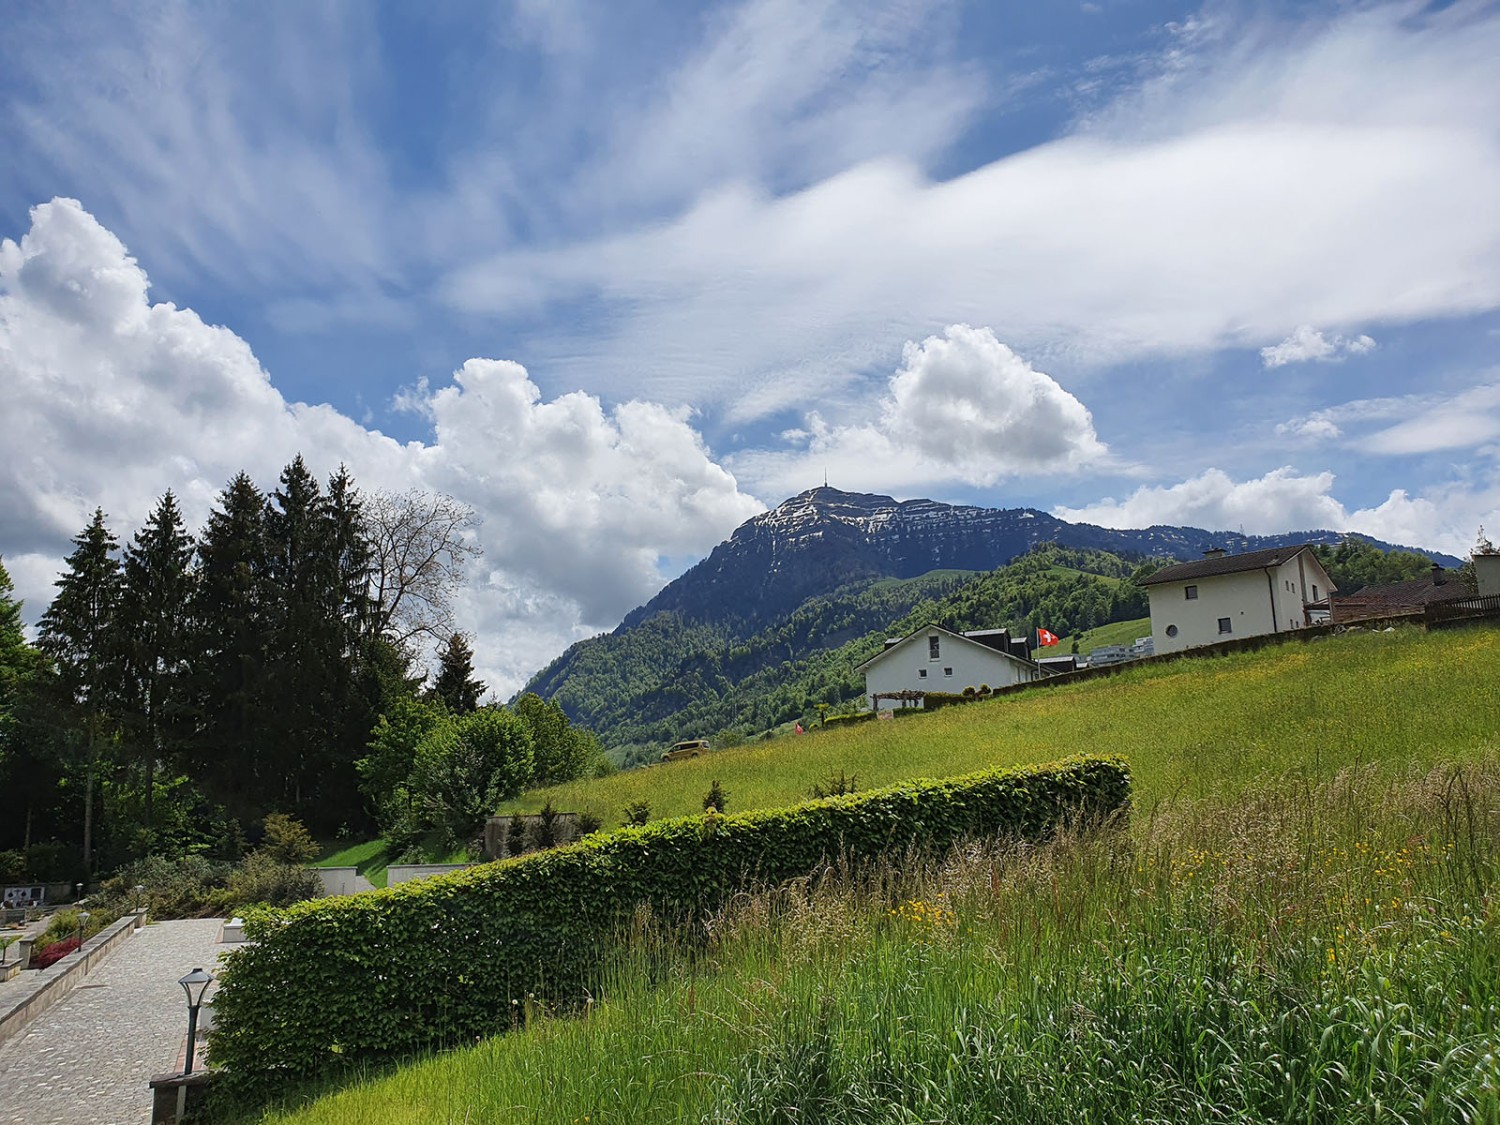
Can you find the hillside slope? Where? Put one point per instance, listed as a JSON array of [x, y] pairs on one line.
[[1189, 727], [666, 678], [759, 632]]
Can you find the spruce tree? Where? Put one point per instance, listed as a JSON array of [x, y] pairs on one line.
[[78, 634], [232, 618], [154, 638], [26, 773], [455, 684], [306, 631]]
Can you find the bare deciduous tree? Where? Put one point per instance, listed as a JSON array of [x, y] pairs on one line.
[[422, 542]]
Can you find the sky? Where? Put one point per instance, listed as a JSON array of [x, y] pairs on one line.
[[620, 276]]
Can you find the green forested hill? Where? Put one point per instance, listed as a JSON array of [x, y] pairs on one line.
[[663, 679]]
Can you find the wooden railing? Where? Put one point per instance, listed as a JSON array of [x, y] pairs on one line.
[[1462, 609]]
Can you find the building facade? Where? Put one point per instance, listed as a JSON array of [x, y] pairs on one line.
[[938, 659], [1222, 597]]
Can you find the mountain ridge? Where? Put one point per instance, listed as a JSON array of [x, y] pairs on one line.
[[824, 538]]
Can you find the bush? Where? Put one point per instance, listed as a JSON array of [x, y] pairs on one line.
[[371, 975], [262, 878], [53, 953], [638, 813], [288, 841], [717, 797], [186, 887], [837, 785], [858, 717]]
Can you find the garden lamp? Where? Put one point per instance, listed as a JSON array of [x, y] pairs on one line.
[[194, 985], [83, 920]]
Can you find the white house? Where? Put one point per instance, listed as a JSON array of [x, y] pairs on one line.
[[1221, 597], [938, 659]]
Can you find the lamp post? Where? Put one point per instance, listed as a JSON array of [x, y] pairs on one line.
[[83, 920], [140, 895], [79, 888], [194, 985]]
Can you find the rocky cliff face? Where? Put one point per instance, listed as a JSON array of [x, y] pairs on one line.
[[824, 538]]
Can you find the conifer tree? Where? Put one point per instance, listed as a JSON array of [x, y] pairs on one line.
[[455, 684], [78, 634], [23, 774], [231, 618], [154, 639]]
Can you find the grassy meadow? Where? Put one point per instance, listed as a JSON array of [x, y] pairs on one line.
[[1300, 924], [1325, 953], [1188, 727]]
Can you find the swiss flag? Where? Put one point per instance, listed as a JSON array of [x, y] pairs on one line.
[[799, 728], [1044, 638]]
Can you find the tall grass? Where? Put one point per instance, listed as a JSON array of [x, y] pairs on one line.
[[1305, 951], [1189, 727]]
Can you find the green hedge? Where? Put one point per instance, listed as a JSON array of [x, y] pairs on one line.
[[442, 960], [840, 720]]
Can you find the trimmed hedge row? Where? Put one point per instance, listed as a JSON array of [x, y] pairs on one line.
[[442, 960]]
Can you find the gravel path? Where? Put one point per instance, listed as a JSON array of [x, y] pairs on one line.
[[87, 1059]]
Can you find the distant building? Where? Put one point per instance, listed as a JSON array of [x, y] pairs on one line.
[[937, 659], [1221, 597], [1397, 599], [1108, 654], [1057, 665], [1143, 646]]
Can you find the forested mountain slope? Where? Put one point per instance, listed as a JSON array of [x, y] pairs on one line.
[[774, 621]]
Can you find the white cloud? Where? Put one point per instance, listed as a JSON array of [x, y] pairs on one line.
[[1282, 500], [110, 400], [1407, 424], [962, 406], [1342, 173], [1307, 343], [1445, 519]]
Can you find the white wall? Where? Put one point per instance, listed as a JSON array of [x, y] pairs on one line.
[[972, 664], [1246, 598], [1487, 571]]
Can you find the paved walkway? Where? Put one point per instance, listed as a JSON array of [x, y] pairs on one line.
[[87, 1059]]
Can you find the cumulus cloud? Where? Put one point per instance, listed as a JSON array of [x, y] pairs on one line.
[[1445, 519], [962, 406], [111, 399], [1307, 343]]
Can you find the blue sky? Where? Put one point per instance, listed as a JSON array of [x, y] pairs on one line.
[[620, 275]]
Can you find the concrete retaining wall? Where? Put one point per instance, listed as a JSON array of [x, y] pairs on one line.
[[342, 880]]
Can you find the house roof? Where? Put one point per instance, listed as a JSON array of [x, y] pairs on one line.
[[1418, 591], [1224, 564], [982, 638]]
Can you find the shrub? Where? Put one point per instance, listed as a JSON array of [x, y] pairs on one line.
[[287, 840], [638, 812], [53, 953], [717, 797], [858, 717], [515, 835], [546, 827], [186, 887], [371, 975], [262, 878], [837, 785]]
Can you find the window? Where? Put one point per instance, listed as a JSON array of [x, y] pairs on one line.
[[1191, 592], [1171, 630], [1315, 591], [947, 671], [1224, 625], [921, 673], [932, 648]]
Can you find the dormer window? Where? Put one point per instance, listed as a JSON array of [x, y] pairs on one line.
[[932, 648]]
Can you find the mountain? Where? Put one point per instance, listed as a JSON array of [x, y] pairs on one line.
[[774, 620], [825, 538]]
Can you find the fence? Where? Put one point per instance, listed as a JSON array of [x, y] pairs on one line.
[[1462, 609]]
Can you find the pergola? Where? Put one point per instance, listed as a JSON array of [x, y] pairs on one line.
[[904, 696]]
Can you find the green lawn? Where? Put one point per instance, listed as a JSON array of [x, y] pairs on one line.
[[1190, 727], [370, 858]]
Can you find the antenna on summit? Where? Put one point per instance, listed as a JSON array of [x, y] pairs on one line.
[[825, 478]]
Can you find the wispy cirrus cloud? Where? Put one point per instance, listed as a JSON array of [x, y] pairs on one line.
[[1407, 424]]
